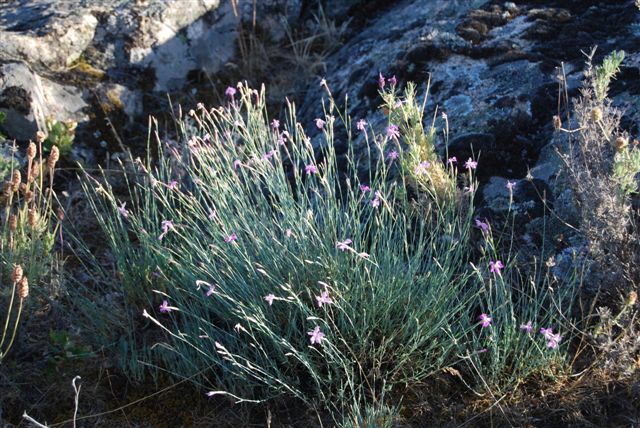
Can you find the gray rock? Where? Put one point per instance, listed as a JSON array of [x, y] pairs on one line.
[[58, 49], [22, 100], [28, 99]]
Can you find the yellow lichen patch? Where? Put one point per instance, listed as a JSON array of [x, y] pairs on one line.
[[84, 67], [113, 96]]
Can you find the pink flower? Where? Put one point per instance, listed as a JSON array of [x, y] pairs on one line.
[[282, 137], [344, 245], [482, 225], [375, 202], [316, 335], [364, 188], [173, 184], [269, 298], [210, 290], [269, 154], [381, 80], [553, 341], [236, 163], [392, 131], [421, 169], [166, 226], [360, 125], [511, 185], [231, 238], [495, 266], [123, 211], [452, 160], [527, 327], [289, 232], [320, 123], [165, 308], [324, 299], [311, 169], [393, 155], [485, 319], [393, 80], [230, 92], [275, 124], [470, 164]]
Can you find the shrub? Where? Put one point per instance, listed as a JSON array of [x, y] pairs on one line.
[[270, 272], [602, 169]]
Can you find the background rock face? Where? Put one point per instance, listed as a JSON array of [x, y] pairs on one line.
[[493, 65], [27, 99]]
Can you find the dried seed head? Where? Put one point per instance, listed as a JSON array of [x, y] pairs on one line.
[[632, 298], [32, 217], [53, 157], [596, 114], [17, 274], [13, 222], [23, 288], [31, 151], [621, 143], [35, 171], [557, 123], [16, 179], [28, 196], [40, 137], [60, 214]]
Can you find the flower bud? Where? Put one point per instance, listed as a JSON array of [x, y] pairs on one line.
[[632, 298], [16, 179], [35, 171], [13, 222], [621, 143], [596, 114], [23, 288], [557, 123], [17, 274], [53, 157], [40, 137], [31, 151], [32, 217]]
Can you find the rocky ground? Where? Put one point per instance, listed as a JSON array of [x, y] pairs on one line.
[[494, 69]]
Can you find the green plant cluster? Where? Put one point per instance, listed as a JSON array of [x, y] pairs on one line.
[[60, 134], [626, 167], [605, 72], [270, 273]]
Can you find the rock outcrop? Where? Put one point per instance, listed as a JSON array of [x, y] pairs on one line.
[[493, 67]]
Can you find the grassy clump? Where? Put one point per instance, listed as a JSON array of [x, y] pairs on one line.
[[27, 234], [269, 272]]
